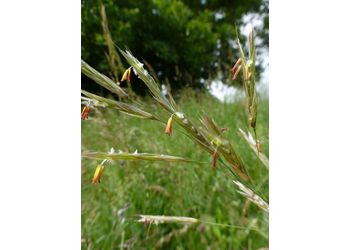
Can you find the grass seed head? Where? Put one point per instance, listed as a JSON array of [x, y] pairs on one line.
[[160, 219], [102, 80], [252, 196], [126, 108], [223, 146]]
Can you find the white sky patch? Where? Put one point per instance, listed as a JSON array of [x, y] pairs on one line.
[[251, 20], [223, 92]]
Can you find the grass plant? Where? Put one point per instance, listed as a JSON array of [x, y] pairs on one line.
[[217, 175]]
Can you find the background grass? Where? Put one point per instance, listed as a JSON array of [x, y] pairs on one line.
[[186, 189]]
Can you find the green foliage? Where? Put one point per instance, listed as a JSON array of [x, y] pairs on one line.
[[178, 38], [129, 188]]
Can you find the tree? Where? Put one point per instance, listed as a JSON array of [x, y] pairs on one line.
[[186, 42]]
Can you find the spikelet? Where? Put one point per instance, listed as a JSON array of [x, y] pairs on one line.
[[253, 197], [160, 219], [134, 157], [255, 146], [102, 80]]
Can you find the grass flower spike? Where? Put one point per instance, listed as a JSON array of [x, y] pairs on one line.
[[252, 196], [255, 147], [134, 157], [160, 219], [102, 80], [249, 81]]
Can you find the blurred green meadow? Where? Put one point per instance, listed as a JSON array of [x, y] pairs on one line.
[[129, 188]]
